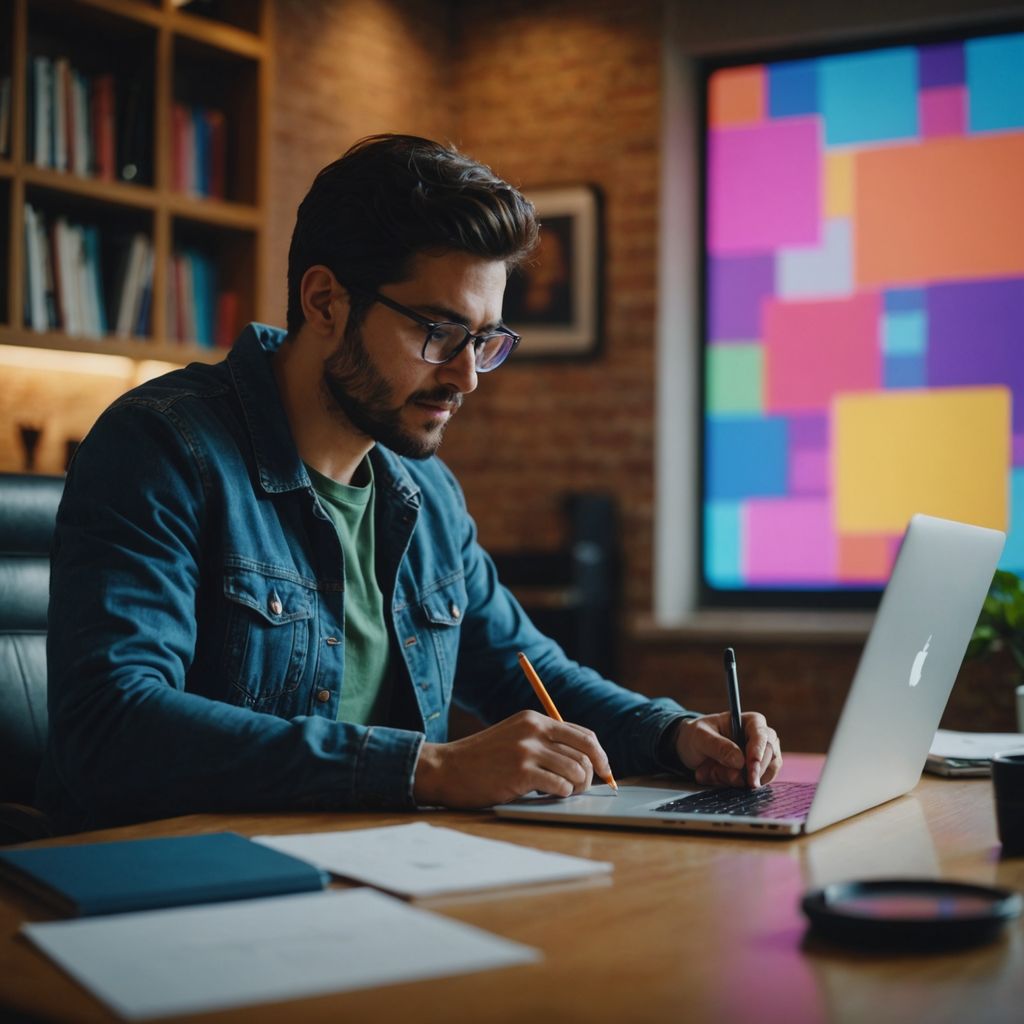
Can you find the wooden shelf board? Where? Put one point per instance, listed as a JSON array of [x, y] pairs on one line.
[[131, 10], [132, 348], [140, 196], [218, 212], [217, 35], [6, 168]]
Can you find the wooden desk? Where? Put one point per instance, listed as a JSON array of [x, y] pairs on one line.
[[688, 928]]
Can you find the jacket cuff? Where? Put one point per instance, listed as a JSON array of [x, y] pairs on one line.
[[667, 753], [650, 725], [385, 768]]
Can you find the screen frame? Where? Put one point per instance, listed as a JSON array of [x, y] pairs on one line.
[[797, 598]]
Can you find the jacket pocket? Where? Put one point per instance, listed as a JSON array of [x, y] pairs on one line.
[[268, 633], [441, 609]]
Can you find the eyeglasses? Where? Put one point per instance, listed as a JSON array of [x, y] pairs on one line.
[[444, 341]]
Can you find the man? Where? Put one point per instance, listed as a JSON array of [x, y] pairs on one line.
[[266, 593]]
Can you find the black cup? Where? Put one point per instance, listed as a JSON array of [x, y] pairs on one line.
[[1008, 785]]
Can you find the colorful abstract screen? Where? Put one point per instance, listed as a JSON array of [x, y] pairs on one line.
[[864, 309]]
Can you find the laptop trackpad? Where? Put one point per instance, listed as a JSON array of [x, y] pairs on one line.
[[601, 801]]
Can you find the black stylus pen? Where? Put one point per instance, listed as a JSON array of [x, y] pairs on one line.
[[732, 684]]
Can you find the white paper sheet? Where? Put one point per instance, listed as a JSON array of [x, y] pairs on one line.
[[970, 745], [192, 959], [425, 860]]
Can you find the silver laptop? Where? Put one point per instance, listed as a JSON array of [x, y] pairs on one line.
[[904, 678]]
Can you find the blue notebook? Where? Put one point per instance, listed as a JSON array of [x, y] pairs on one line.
[[143, 874]]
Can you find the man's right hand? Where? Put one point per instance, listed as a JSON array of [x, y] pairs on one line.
[[526, 752]]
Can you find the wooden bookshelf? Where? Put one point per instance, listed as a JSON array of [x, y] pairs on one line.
[[207, 54]]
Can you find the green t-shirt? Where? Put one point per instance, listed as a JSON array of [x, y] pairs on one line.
[[366, 691]]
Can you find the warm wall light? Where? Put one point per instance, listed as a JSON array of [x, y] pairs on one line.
[[97, 364]]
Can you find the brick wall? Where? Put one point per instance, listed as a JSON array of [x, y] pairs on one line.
[[345, 69], [801, 686], [552, 93], [547, 93]]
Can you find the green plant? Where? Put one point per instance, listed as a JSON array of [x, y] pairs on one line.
[[1001, 623]]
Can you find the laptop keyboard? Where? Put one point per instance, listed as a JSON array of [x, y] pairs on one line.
[[781, 800]]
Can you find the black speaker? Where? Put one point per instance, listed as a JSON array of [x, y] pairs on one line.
[[572, 594]]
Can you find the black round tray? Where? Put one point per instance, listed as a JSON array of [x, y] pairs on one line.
[[910, 913]]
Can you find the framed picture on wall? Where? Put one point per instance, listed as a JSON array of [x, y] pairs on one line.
[[554, 299]]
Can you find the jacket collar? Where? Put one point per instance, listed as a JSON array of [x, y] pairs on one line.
[[390, 473], [277, 459]]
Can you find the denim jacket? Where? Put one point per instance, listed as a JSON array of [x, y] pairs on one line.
[[196, 622]]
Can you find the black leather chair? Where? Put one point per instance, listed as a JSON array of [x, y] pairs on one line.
[[28, 511]]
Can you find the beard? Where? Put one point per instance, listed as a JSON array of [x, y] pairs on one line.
[[356, 388]]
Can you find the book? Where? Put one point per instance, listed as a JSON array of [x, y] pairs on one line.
[[103, 109], [192, 271], [203, 297], [958, 767], [94, 274], [179, 148], [140, 313], [35, 273], [81, 141], [62, 274], [201, 134], [187, 300], [227, 318], [61, 88], [131, 283], [5, 115], [68, 259], [142, 321], [49, 283], [177, 300], [84, 292], [28, 283], [218, 153], [41, 102], [968, 754], [145, 874]]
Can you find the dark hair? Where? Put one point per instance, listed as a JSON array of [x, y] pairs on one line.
[[391, 197]]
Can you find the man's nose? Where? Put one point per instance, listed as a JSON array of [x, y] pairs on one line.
[[460, 373]]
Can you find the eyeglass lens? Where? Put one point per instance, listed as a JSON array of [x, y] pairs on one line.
[[444, 340]]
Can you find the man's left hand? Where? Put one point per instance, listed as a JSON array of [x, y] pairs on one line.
[[705, 746]]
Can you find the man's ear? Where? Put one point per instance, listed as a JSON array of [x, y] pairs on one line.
[[323, 300]]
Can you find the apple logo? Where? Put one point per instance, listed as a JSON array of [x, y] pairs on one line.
[[916, 668]]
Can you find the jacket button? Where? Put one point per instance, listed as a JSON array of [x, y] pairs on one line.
[[332, 641], [456, 611], [323, 696], [275, 603]]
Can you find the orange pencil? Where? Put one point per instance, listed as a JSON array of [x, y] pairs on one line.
[[549, 705]]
